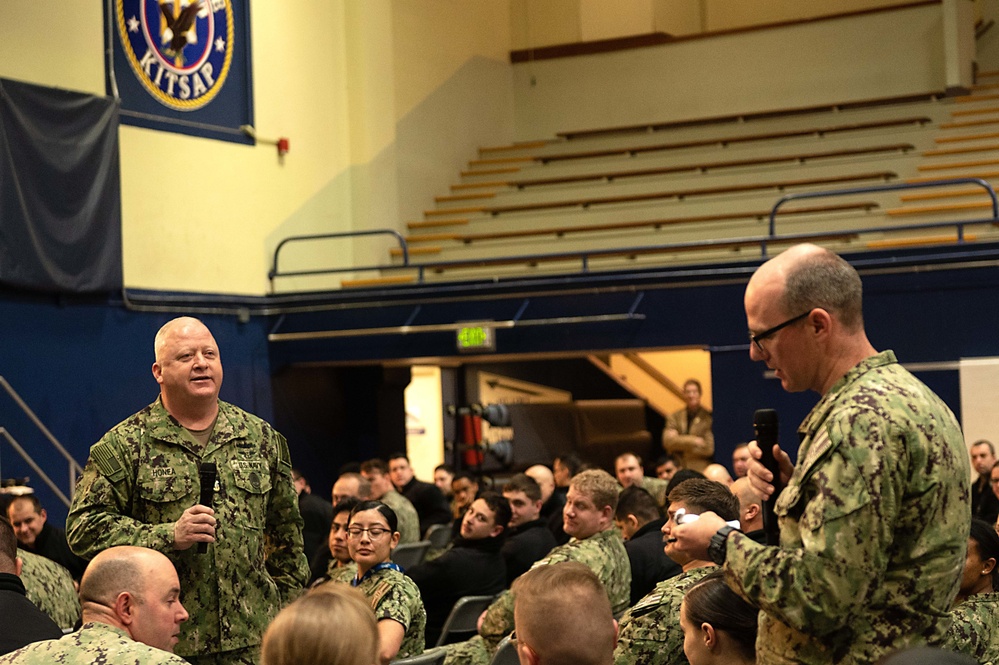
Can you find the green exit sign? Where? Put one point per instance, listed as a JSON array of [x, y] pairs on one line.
[[476, 338]]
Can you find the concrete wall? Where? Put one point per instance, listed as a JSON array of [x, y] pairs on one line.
[[877, 55]]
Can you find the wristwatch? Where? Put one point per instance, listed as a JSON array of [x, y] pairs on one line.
[[716, 550]]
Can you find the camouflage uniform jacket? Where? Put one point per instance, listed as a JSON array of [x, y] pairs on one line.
[[143, 474], [50, 588], [94, 643], [409, 521], [394, 596], [975, 628], [649, 633], [603, 553], [657, 488], [341, 574], [873, 525]]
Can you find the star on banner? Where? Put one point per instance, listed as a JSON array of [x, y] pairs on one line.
[[133, 24], [220, 45]]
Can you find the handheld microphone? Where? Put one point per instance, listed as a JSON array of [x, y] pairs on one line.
[[765, 426], [209, 474]]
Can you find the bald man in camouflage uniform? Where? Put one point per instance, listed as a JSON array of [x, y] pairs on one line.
[[588, 517], [875, 516], [50, 588], [131, 614], [649, 633], [141, 486]]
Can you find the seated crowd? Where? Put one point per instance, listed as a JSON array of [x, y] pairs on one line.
[[582, 568]]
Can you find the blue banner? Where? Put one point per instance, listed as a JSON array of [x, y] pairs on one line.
[[182, 65]]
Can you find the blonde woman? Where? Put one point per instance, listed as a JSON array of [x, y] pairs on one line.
[[301, 632]]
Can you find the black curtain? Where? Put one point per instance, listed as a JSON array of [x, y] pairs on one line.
[[60, 193]]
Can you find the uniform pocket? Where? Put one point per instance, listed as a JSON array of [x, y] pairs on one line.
[[164, 491], [253, 482]]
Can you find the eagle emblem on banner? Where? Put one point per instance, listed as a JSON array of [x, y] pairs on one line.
[[180, 50]]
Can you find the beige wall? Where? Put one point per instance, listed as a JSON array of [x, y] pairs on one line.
[[359, 88], [547, 22], [879, 55]]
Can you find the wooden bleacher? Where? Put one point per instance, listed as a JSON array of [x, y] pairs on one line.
[[702, 189]]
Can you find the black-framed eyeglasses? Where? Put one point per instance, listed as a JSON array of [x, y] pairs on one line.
[[756, 338]]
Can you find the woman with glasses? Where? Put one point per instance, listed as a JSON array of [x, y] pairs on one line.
[[395, 599]]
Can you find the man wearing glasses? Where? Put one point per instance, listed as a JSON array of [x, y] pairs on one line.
[[875, 516]]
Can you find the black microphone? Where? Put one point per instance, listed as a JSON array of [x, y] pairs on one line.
[[209, 473], [765, 426]]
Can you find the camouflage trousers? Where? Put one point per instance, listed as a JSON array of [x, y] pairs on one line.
[[470, 652], [247, 656]]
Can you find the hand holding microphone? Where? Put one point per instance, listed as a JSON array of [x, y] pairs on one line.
[[197, 524], [765, 426]]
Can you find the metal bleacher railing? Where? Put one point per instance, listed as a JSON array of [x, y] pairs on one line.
[[75, 470], [585, 256]]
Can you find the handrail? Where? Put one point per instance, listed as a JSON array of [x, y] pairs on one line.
[[763, 240], [890, 187], [34, 465], [274, 272], [74, 466]]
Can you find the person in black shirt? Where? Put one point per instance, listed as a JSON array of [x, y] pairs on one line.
[[317, 513], [36, 535], [471, 566], [640, 520], [529, 538], [23, 623], [426, 498], [984, 502]]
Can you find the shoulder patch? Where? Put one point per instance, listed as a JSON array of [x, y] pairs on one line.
[[647, 604], [376, 596], [284, 455], [105, 459]]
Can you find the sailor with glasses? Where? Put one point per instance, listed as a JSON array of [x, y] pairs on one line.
[[395, 599], [875, 515]]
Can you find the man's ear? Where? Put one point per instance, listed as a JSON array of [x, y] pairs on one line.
[[989, 566], [157, 372], [527, 654], [497, 530], [632, 522], [124, 607], [18, 564], [752, 510]]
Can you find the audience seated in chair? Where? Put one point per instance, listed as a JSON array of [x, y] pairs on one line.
[[563, 616], [23, 623], [371, 536], [974, 629], [341, 568], [471, 566], [589, 519], [650, 631], [719, 627], [641, 521], [426, 498], [529, 538], [302, 632]]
